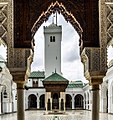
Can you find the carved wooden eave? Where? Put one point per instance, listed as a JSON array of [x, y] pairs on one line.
[[59, 7], [30, 14]]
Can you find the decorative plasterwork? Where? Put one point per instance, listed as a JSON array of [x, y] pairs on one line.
[[91, 60], [17, 59], [109, 15], [3, 22], [59, 7], [103, 35]]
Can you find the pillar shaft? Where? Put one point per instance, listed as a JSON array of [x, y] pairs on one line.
[[95, 102], [59, 104], [73, 102], [20, 102], [46, 99]]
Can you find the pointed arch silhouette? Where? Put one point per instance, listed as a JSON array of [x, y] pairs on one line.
[[60, 8]]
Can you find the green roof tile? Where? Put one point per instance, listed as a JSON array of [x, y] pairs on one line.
[[37, 74], [75, 84], [56, 78]]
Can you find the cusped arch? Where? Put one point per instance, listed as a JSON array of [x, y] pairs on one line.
[[60, 8]]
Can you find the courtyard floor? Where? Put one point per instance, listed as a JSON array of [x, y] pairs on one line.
[[70, 115]]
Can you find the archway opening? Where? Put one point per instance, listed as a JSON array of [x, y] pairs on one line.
[[68, 101], [32, 102], [55, 101], [42, 101], [78, 101], [69, 45]]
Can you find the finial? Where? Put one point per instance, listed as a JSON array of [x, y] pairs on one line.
[[55, 70], [53, 19], [56, 17]]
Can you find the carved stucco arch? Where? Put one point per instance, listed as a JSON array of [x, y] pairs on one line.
[[60, 8]]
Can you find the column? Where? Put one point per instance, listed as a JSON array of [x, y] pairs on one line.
[[73, 102], [46, 99], [64, 101], [59, 104], [20, 101], [51, 103], [38, 101], [95, 102]]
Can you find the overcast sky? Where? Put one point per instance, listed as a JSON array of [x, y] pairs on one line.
[[71, 65]]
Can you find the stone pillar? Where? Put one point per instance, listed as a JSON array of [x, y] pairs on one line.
[[20, 101], [46, 99], [64, 101], [38, 101], [95, 102], [73, 102], [64, 105], [59, 104], [51, 103]]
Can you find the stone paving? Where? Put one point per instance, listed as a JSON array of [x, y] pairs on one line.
[[70, 115]]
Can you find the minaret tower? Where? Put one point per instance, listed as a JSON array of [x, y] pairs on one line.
[[52, 36]]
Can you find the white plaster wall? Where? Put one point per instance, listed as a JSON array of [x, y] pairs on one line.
[[103, 96], [14, 98], [40, 83], [109, 78], [29, 83]]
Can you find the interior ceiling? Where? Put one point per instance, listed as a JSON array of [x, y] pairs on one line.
[[27, 12]]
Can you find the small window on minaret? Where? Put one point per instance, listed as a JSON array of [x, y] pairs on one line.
[[52, 38]]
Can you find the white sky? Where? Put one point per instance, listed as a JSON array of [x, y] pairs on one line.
[[72, 68]]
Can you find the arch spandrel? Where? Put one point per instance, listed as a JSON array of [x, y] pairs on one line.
[[28, 11]]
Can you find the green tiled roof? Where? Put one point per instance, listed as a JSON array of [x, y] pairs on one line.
[[37, 74], [56, 78], [75, 84]]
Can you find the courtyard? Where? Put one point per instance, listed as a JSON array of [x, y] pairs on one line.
[[69, 115]]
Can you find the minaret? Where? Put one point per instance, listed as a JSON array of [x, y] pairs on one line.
[[52, 36]]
